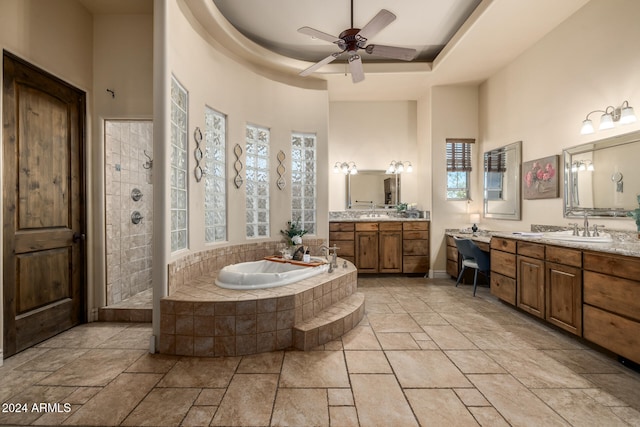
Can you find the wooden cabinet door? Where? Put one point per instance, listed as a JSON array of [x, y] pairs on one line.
[[367, 251], [390, 260], [530, 285], [564, 297]]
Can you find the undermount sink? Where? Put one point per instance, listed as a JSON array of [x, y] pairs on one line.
[[568, 236], [375, 216]]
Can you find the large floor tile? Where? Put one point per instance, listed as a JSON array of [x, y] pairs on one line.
[[374, 411], [516, 403], [448, 337], [439, 407], [314, 369], [395, 322], [114, 402], [367, 362], [94, 368], [163, 407], [301, 407], [201, 372], [248, 401], [360, 338], [429, 368]]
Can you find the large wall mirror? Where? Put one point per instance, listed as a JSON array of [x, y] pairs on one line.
[[602, 178], [372, 186], [502, 182]]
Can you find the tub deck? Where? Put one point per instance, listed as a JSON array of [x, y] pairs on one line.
[[202, 319]]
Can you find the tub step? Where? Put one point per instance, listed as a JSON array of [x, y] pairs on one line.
[[330, 323]]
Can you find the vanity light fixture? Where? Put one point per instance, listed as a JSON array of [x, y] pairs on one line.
[[623, 114], [347, 168], [396, 167], [582, 165]]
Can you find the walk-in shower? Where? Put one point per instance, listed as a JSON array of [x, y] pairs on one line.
[[129, 208]]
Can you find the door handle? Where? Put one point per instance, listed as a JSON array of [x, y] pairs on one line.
[[78, 237]]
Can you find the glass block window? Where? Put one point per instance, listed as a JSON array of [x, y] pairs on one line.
[[215, 198], [179, 145], [257, 181], [303, 180]]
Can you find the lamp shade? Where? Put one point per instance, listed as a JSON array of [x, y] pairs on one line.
[[627, 116], [587, 127], [606, 122], [474, 218]]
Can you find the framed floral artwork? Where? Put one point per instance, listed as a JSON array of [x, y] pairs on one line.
[[540, 178]]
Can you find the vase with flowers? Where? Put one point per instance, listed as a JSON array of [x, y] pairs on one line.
[[636, 215], [293, 234]]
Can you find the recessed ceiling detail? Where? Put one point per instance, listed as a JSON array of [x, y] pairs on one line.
[[423, 25]]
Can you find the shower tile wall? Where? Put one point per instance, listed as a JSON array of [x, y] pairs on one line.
[[128, 244]]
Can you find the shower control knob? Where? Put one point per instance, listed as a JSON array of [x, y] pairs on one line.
[[136, 217]]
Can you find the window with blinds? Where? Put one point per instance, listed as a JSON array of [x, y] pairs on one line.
[[458, 168]]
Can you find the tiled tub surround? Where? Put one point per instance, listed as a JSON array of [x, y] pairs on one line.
[[199, 318]]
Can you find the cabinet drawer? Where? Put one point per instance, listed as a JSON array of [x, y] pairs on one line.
[[503, 287], [451, 241], [415, 226], [415, 247], [341, 235], [452, 253], [566, 256], [390, 226], [415, 264], [503, 263], [505, 245], [415, 235], [615, 265], [452, 268], [615, 333], [533, 250], [346, 248], [367, 226], [341, 226], [614, 294], [482, 245]]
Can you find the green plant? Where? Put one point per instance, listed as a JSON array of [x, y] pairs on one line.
[[293, 230], [636, 214], [401, 207]]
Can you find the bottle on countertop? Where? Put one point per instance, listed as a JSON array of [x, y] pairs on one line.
[[307, 256]]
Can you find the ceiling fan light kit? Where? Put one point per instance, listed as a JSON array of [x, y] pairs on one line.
[[353, 39]]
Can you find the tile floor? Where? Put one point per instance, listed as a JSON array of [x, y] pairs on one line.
[[425, 354]]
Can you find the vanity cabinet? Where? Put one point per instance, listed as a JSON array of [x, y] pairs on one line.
[[383, 247], [611, 303], [503, 269], [342, 235], [452, 258]]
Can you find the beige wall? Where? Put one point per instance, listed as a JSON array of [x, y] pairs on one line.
[[587, 63], [454, 114], [372, 134]]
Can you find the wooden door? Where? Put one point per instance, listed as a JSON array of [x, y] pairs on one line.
[[564, 297], [43, 208], [530, 285]]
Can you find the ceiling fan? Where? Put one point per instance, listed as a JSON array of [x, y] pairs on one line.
[[353, 39]]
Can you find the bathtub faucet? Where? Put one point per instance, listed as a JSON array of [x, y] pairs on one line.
[[334, 255]]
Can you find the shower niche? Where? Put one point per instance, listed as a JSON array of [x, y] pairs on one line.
[[128, 195]]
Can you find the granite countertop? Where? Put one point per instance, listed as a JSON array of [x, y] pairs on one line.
[[378, 219], [624, 243]]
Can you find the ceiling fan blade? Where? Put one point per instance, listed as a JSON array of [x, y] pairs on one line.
[[377, 23], [355, 67], [403, 53], [319, 64], [319, 35]]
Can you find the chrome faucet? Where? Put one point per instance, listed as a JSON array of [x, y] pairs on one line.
[[586, 232], [596, 233], [334, 256], [575, 228]]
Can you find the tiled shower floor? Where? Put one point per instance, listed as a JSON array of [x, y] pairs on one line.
[[426, 353]]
